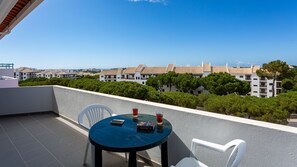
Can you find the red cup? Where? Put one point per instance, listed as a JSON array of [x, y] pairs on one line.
[[135, 112], [159, 117]]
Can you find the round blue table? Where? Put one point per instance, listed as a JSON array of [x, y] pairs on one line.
[[126, 138]]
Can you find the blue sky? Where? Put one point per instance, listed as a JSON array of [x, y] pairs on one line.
[[121, 33]]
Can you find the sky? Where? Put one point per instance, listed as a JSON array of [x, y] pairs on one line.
[[125, 33]]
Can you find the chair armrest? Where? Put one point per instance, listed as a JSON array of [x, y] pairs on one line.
[[206, 144]]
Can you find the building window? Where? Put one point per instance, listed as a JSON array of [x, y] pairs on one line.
[[241, 76], [255, 79], [143, 83], [255, 91], [255, 85], [270, 84], [270, 90]]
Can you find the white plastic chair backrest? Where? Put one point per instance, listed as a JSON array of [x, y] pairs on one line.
[[94, 113], [239, 148]]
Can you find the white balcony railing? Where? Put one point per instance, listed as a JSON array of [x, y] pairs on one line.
[[267, 144]]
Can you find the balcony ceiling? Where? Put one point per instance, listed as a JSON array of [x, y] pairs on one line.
[[13, 11]]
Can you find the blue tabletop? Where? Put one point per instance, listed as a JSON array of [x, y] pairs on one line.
[[126, 137]]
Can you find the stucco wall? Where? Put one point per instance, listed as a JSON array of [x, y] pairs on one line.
[[267, 144], [26, 100], [8, 83], [7, 72]]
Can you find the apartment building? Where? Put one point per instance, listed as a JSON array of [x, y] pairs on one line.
[[260, 86], [56, 74], [24, 73]]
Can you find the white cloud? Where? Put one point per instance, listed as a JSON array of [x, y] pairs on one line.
[[150, 1]]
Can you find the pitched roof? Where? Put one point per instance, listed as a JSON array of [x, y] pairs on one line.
[[140, 68], [170, 67], [240, 70], [255, 68], [25, 69], [112, 72], [130, 70], [218, 69], [154, 70], [206, 67], [192, 70]]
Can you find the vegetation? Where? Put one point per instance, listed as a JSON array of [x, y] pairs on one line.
[[223, 84], [274, 70], [274, 109], [225, 97], [184, 82], [179, 99]]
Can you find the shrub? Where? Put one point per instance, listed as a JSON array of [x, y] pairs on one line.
[[179, 99]]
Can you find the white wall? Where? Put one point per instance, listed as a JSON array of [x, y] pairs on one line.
[[7, 72], [9, 83], [267, 144], [26, 100]]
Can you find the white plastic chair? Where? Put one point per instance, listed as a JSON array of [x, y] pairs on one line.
[[93, 113], [239, 148]]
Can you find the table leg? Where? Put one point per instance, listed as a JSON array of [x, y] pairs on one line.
[[98, 157], [164, 154], [132, 159]]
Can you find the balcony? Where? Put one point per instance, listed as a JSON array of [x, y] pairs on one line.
[[45, 140], [51, 137]]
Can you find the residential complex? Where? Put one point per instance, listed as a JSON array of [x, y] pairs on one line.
[[260, 86], [24, 73]]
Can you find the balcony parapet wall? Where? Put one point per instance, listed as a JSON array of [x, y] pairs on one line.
[[267, 144]]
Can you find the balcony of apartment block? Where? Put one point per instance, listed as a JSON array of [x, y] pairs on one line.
[[263, 79], [248, 77], [278, 85], [263, 85], [38, 127]]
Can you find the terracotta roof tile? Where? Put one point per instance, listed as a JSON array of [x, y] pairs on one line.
[[206, 68], [218, 69], [130, 70], [192, 70], [170, 67], [239, 70], [140, 68], [154, 70], [255, 68], [111, 72]]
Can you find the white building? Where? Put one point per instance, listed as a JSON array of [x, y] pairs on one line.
[[260, 87], [6, 76], [56, 74], [24, 73]]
